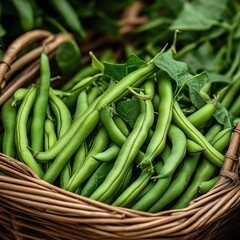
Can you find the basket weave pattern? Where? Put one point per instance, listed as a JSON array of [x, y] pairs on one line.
[[31, 208]]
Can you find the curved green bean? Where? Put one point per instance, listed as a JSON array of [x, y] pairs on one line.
[[194, 134], [8, 118], [178, 151], [21, 132]]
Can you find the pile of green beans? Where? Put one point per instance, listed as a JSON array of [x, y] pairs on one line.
[[75, 138]]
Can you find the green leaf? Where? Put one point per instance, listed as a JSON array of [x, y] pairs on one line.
[[128, 110], [178, 71], [194, 89], [221, 114], [68, 58], [118, 71], [200, 15]]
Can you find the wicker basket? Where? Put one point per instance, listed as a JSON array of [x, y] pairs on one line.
[[31, 208]]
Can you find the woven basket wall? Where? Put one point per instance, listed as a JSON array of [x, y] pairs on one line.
[[31, 208]]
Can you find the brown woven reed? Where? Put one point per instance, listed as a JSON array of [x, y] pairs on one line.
[[31, 208]]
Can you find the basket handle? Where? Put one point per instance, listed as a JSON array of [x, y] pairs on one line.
[[231, 162]]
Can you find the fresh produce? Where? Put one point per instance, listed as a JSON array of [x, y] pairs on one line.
[[147, 129]]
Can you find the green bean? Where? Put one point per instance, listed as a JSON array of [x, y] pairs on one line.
[[50, 138], [60, 93], [96, 178], [82, 127], [62, 112], [158, 166], [79, 157], [143, 192], [206, 186], [205, 91], [71, 100], [8, 117], [205, 170], [233, 90], [193, 148], [153, 195], [83, 73], [156, 101], [93, 93], [127, 153], [40, 105], [121, 124], [70, 16], [21, 132], [123, 185], [194, 134], [130, 193], [81, 105], [90, 164], [178, 151], [178, 184], [26, 13], [165, 153], [50, 132], [159, 137], [214, 130], [65, 175], [235, 108], [113, 131], [18, 96], [200, 117], [108, 155]]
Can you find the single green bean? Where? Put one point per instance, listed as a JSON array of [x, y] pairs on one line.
[[26, 13], [193, 148], [70, 16], [50, 138], [233, 90], [235, 108], [8, 118], [81, 105], [71, 100], [206, 186], [18, 96], [113, 131], [158, 140], [178, 151], [62, 113], [121, 124], [108, 155], [200, 117], [49, 129], [93, 93], [21, 136], [40, 105], [83, 73]]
